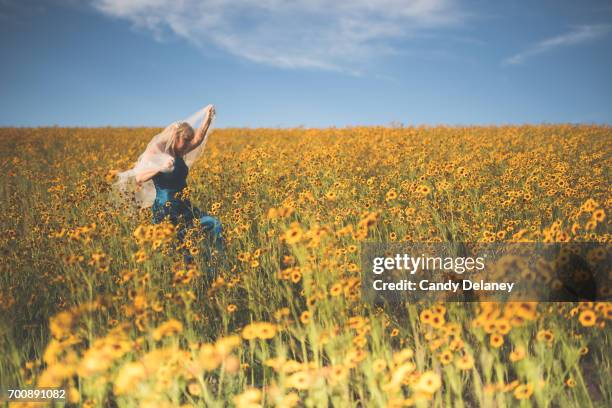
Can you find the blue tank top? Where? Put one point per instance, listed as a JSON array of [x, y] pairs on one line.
[[168, 184]]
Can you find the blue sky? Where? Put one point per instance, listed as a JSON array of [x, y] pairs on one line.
[[305, 62]]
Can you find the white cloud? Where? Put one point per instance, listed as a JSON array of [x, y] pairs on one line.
[[578, 35], [323, 34]]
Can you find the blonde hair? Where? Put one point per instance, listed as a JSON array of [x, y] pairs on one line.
[[179, 129], [184, 130]]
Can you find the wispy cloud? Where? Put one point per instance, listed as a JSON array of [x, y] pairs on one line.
[[320, 34], [578, 35]]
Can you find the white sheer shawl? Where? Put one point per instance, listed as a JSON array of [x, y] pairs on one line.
[[156, 154]]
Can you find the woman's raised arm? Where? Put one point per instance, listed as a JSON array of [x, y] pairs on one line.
[[200, 134]]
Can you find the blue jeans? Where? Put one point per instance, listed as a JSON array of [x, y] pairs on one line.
[[183, 215], [212, 228]]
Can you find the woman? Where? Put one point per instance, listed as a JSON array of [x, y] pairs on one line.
[[166, 163]]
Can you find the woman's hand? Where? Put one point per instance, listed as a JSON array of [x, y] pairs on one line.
[[167, 165], [210, 112]]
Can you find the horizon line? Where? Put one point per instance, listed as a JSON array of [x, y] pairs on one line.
[[392, 125]]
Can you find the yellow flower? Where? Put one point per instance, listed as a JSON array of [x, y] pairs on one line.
[[251, 398], [445, 357], [261, 330], [290, 400], [208, 357], [194, 388], [129, 376], [587, 318], [456, 344], [294, 234], [523, 391], [305, 317], [423, 189], [296, 276], [249, 332], [589, 205], [391, 195], [598, 215], [426, 316], [402, 356], [354, 357], [337, 373], [266, 331], [61, 324], [496, 340], [503, 326], [465, 362], [336, 289], [517, 354], [94, 361], [225, 345], [301, 380], [429, 382], [510, 386], [545, 335], [169, 328], [140, 256], [379, 365]]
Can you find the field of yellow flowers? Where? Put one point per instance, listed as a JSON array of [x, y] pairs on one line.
[[96, 300]]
